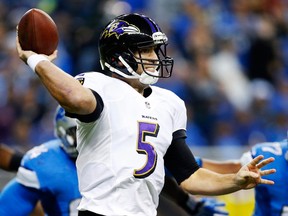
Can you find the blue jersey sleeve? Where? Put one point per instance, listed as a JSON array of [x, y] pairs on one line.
[[16, 199]]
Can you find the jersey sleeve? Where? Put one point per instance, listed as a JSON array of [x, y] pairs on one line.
[[88, 80], [35, 165], [28, 178], [179, 160], [174, 106], [180, 115], [16, 194], [92, 116]]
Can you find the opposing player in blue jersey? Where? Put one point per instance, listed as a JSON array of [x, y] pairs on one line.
[[270, 200], [128, 129], [47, 173]]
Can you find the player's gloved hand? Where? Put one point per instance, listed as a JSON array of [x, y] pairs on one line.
[[205, 207], [210, 207]]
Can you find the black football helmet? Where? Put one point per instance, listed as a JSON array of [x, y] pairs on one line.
[[65, 130], [129, 34]]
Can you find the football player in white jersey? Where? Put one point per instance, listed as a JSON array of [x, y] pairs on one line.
[[129, 130]]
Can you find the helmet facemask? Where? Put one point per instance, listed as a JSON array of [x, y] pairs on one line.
[[65, 130], [68, 138], [163, 64]]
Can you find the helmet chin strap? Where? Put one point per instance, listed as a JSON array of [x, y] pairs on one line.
[[144, 78], [147, 79]]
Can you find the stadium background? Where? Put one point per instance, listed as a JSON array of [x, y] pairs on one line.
[[231, 69]]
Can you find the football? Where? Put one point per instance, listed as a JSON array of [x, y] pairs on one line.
[[38, 32]]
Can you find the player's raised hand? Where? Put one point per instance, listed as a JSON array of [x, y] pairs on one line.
[[25, 54], [251, 174]]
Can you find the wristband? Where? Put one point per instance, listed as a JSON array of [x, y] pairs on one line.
[[33, 60], [15, 161]]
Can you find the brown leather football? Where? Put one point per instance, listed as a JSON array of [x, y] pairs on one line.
[[38, 32]]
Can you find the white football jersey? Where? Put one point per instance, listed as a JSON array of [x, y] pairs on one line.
[[120, 164]]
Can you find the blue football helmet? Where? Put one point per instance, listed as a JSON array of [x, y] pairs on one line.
[[65, 130], [127, 35]]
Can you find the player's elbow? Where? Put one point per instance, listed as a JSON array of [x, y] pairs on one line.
[[79, 102]]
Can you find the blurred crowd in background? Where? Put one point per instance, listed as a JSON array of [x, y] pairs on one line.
[[231, 65]]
